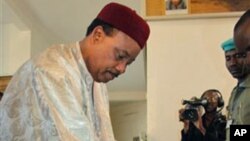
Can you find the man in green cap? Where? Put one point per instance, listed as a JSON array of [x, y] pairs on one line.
[[239, 105]]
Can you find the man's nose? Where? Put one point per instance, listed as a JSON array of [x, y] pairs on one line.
[[233, 61], [121, 67]]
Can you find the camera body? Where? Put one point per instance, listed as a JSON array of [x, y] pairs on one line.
[[191, 111], [190, 114]]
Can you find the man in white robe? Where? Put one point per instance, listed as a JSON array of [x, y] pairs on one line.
[[59, 95]]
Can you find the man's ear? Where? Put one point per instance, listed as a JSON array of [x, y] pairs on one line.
[[98, 34]]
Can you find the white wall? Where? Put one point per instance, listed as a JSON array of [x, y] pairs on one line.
[[15, 48], [184, 59], [129, 120], [18, 40], [1, 36], [14, 41]]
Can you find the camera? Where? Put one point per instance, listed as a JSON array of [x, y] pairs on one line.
[[190, 113]]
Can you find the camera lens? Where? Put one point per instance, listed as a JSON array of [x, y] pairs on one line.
[[190, 114]]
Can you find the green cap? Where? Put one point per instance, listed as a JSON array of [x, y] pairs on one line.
[[228, 45]]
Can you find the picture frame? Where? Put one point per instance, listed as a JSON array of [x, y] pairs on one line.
[[155, 9], [217, 6]]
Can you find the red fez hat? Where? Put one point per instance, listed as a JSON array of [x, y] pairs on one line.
[[126, 20]]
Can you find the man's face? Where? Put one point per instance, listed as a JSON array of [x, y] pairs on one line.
[[212, 98], [111, 55], [175, 2], [235, 63], [242, 41]]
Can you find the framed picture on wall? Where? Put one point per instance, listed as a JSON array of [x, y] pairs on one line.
[[194, 7], [166, 7], [217, 6]]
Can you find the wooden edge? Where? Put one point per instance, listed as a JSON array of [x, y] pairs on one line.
[[4, 80]]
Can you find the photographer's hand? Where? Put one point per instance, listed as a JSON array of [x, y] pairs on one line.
[[185, 122], [199, 124], [186, 126]]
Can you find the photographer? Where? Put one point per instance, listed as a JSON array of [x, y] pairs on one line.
[[207, 127]]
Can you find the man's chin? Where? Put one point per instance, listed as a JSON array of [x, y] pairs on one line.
[[236, 74], [104, 80]]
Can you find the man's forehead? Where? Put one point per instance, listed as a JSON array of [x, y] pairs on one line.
[[232, 51], [242, 36], [211, 94], [242, 44]]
